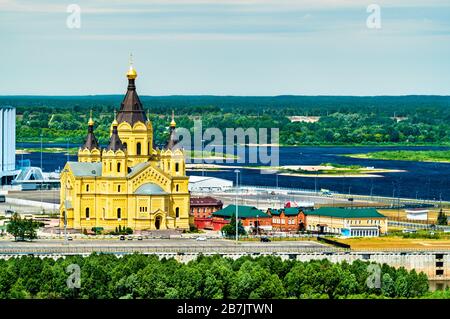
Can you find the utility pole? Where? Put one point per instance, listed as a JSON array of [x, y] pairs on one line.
[[236, 205]]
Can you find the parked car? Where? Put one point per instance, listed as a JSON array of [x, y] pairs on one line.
[[122, 237], [265, 239], [130, 238], [69, 238], [200, 238], [139, 238]]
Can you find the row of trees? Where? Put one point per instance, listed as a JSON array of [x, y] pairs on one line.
[[139, 276], [344, 120]]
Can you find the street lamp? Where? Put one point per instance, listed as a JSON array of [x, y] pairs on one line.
[[236, 204], [203, 161], [41, 151], [257, 225], [42, 179], [67, 141], [65, 208]]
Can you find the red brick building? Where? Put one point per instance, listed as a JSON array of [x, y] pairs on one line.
[[253, 219], [291, 219], [202, 209]]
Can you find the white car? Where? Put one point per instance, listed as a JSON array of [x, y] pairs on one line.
[[201, 238]]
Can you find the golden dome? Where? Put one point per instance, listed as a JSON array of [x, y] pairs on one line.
[[131, 74]]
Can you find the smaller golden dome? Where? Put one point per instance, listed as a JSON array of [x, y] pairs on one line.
[[173, 123], [91, 121], [115, 123]]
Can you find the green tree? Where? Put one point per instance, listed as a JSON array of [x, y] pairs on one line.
[[442, 218], [230, 229], [22, 229]]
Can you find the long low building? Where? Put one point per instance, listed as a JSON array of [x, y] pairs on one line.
[[350, 222]]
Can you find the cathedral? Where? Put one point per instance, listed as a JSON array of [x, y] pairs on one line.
[[129, 182]]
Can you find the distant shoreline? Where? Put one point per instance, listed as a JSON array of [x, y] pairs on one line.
[[442, 156]]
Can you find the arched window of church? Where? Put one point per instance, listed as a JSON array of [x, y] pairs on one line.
[[119, 213], [125, 145], [177, 212], [87, 212], [177, 188], [118, 188], [110, 166], [177, 167], [138, 148], [87, 188], [118, 167]]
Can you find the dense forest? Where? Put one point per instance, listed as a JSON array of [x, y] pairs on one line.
[[409, 120], [104, 276]]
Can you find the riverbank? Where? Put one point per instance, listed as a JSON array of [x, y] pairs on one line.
[[195, 155], [304, 170], [402, 155]]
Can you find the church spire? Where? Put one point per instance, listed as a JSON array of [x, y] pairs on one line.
[[131, 110], [173, 139], [91, 141], [115, 142]]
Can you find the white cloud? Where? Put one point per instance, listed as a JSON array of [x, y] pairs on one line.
[[140, 6]]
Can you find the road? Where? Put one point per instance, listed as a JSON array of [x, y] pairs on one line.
[[86, 246]]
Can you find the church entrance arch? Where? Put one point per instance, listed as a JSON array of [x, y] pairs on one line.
[[158, 221]]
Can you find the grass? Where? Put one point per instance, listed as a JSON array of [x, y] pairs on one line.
[[416, 156], [396, 242], [207, 154]]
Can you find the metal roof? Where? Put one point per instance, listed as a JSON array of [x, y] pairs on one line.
[[243, 212], [150, 189], [346, 212], [86, 169]]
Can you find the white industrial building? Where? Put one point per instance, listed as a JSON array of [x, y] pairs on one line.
[[208, 184], [417, 214], [7, 144]]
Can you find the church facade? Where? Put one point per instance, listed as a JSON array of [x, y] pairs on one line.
[[129, 182]]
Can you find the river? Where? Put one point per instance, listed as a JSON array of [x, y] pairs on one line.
[[422, 180]]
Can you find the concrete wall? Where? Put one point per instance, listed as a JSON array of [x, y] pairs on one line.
[[32, 203]]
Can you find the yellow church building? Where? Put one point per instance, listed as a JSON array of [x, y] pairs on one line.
[[129, 182]]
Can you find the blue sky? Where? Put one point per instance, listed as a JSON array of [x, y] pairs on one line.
[[226, 47]]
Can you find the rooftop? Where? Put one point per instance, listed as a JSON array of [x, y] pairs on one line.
[[346, 212], [149, 189], [243, 212], [207, 200], [290, 211]]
